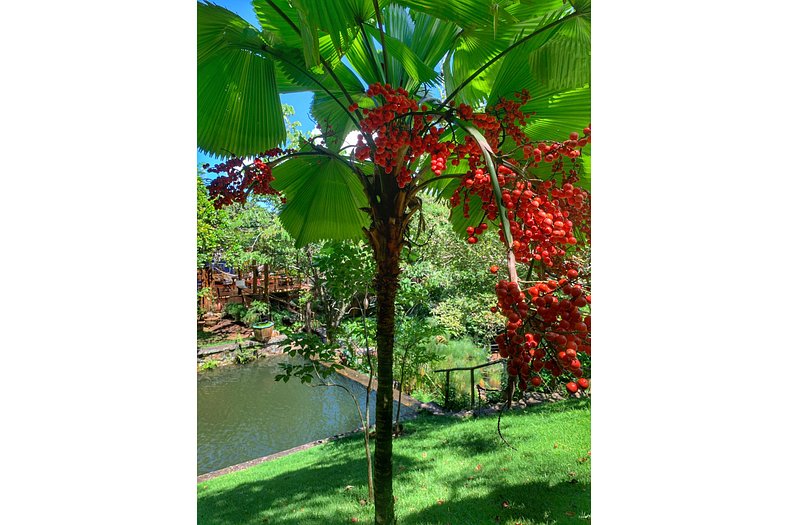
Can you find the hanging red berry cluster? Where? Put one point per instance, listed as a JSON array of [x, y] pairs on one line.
[[401, 134], [238, 178], [546, 329], [542, 216]]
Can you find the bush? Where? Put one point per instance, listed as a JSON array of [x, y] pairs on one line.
[[235, 310], [244, 355], [208, 364], [256, 312], [461, 317]]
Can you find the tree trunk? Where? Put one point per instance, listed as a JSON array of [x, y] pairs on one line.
[[386, 236], [254, 278], [388, 244], [387, 281]]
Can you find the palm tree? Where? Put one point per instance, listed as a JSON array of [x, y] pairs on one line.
[[463, 51]]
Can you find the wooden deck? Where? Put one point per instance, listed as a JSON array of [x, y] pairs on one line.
[[224, 288]]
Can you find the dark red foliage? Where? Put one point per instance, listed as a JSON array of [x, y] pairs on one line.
[[238, 177]]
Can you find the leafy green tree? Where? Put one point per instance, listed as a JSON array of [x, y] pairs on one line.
[[344, 272], [486, 51], [449, 279], [254, 236], [210, 225]]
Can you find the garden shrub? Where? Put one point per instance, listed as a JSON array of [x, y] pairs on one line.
[[244, 355], [257, 311], [236, 311]]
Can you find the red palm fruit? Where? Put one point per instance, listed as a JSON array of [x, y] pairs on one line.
[[571, 386], [582, 383], [536, 381], [493, 269]]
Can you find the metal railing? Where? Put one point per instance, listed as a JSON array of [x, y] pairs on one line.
[[472, 369]]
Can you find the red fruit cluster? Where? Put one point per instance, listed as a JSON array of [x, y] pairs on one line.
[[238, 179], [545, 330], [542, 216], [512, 117], [401, 134]]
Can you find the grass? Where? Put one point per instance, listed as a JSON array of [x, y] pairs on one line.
[[446, 471]]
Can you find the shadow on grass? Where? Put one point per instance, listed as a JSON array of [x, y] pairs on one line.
[[564, 503], [328, 492], [317, 495]]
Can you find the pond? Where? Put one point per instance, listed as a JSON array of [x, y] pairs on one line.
[[243, 414]]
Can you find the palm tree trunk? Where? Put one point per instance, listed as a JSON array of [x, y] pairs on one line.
[[386, 285]]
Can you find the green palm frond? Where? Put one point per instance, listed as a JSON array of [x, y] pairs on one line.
[[365, 60], [407, 69], [238, 105], [333, 119], [469, 54], [476, 46], [338, 19], [278, 31], [557, 115], [435, 37], [464, 13], [324, 199], [557, 46]]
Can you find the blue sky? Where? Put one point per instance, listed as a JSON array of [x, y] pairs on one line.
[[299, 101]]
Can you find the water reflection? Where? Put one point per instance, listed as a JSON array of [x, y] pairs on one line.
[[242, 413]]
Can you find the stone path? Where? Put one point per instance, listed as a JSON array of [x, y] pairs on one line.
[[269, 347]]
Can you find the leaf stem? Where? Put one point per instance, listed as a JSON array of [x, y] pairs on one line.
[[382, 40]]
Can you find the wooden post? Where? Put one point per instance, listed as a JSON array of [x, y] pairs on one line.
[[446, 402], [265, 283], [473, 387]]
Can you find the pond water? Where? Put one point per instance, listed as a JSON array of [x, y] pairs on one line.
[[243, 414]]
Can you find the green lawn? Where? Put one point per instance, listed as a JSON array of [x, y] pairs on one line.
[[447, 471]]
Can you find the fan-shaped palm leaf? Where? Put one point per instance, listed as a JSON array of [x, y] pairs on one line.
[[238, 107], [324, 198]]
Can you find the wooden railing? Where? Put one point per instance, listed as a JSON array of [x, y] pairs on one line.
[[472, 369]]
